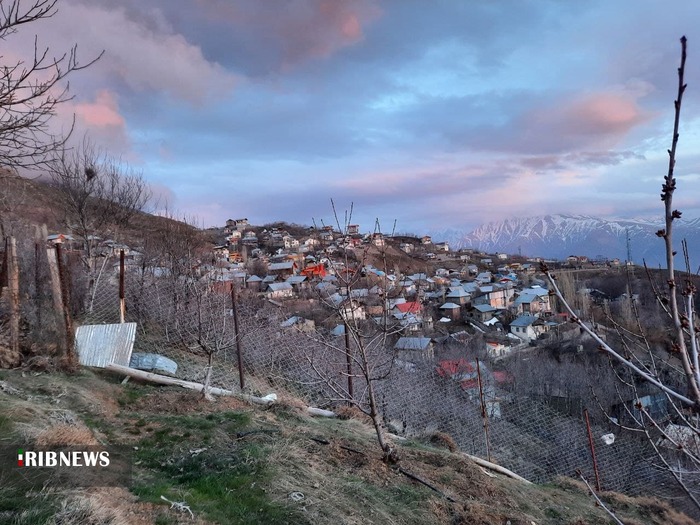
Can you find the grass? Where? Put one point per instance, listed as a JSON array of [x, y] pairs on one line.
[[130, 394], [234, 467], [224, 483], [6, 425], [15, 508]]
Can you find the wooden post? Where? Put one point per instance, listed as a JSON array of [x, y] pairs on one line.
[[55, 289], [3, 270], [122, 296], [592, 446], [65, 300], [13, 289], [239, 354], [484, 413]]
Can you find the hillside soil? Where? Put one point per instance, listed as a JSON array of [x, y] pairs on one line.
[[228, 462]]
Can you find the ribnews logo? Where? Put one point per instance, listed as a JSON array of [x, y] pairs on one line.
[[75, 466], [50, 458]]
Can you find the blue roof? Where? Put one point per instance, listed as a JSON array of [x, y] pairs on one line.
[[524, 320]]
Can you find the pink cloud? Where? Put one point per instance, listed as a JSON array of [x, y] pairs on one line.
[[300, 30], [102, 113], [606, 113], [600, 119], [144, 54]]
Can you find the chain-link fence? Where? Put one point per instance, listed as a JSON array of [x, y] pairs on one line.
[[475, 406]]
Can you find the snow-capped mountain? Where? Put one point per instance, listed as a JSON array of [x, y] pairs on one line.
[[558, 236]]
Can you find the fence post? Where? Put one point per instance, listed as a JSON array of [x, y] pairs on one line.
[[239, 354], [122, 296], [65, 299], [484, 414], [13, 289], [592, 446]]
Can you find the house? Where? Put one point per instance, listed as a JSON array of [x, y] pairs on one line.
[[426, 239], [352, 310], [458, 295], [283, 269], [254, 283], [406, 247], [442, 246], [414, 349], [279, 290], [250, 239], [60, 238], [234, 236], [484, 278], [409, 307], [221, 252], [533, 300], [353, 229], [451, 310], [496, 349], [471, 269], [408, 286], [484, 312], [378, 240], [528, 327], [289, 242], [497, 295], [315, 270], [298, 282]]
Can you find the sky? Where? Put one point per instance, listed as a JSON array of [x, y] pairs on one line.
[[424, 114]]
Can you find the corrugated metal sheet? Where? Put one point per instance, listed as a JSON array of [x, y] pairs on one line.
[[99, 345]]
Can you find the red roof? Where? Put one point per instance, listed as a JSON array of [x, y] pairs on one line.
[[502, 377], [452, 367], [412, 307], [316, 270], [469, 384]]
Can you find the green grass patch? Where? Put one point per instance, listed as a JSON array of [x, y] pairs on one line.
[[6, 425], [396, 499], [224, 483], [19, 507], [129, 395]]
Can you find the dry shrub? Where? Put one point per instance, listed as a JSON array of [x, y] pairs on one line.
[[442, 440], [291, 402], [64, 434], [351, 412]]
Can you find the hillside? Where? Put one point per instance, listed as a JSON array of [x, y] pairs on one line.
[[231, 463]]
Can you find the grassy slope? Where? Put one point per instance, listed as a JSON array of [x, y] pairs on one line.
[[233, 463]]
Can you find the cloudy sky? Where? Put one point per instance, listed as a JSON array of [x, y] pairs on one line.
[[434, 114]]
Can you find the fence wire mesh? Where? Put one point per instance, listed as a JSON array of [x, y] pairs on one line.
[[536, 439]]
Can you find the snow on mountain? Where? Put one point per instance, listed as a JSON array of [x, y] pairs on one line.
[[558, 236]]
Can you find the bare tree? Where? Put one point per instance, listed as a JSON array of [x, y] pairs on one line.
[[97, 196], [32, 90], [351, 367], [673, 371], [205, 323], [97, 191]]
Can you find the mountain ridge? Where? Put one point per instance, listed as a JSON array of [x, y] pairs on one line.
[[560, 235]]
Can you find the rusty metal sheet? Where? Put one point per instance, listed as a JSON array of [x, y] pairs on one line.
[[101, 344]]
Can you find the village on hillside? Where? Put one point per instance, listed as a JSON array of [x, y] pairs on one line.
[[426, 294]]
